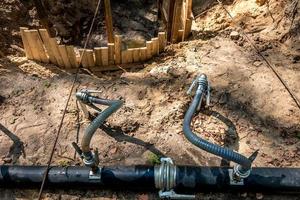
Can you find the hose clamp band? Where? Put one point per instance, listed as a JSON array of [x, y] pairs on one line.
[[165, 175]]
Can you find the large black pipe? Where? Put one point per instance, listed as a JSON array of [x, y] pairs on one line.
[[188, 178]]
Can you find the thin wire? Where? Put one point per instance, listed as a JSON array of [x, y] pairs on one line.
[[264, 58], [66, 106]]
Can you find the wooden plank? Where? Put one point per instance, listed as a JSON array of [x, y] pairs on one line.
[[33, 45], [189, 18], [54, 46], [90, 57], [180, 35], [118, 49], [108, 21], [162, 40], [63, 52], [84, 59], [130, 55], [155, 47], [98, 57], [176, 20], [149, 49], [104, 55], [46, 39], [136, 55], [170, 19], [72, 56], [125, 57], [26, 46], [111, 53], [143, 53], [188, 28]]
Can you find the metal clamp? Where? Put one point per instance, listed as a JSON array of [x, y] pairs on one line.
[[201, 83], [165, 180]]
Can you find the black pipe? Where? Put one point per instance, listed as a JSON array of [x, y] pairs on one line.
[[225, 153], [188, 178]]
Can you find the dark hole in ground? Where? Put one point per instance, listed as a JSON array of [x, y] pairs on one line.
[[2, 99], [136, 20]]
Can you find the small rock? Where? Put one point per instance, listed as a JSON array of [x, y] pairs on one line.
[[7, 160], [257, 63], [234, 35]]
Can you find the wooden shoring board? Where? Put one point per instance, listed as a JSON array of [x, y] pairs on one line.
[[149, 45], [72, 56], [143, 53], [54, 46], [90, 58], [84, 60], [136, 55], [162, 41], [155, 47], [33, 45], [125, 57], [98, 56], [63, 52], [104, 55], [176, 25], [118, 49], [46, 39], [111, 53], [26, 45]]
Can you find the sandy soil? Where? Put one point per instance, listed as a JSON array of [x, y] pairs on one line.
[[250, 108]]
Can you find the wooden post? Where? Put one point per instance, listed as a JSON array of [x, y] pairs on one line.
[[155, 48], [90, 57], [108, 21], [46, 39], [143, 53], [170, 19], [162, 41], [104, 55], [118, 49], [84, 60], [98, 56], [111, 53], [180, 35], [72, 56], [136, 55], [189, 20], [130, 55], [125, 56], [176, 20], [26, 46], [63, 52], [54, 46], [149, 49]]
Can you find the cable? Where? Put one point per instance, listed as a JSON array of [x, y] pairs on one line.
[[264, 58], [66, 106]]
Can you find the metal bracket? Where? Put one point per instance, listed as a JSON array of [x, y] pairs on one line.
[[95, 175], [171, 194]]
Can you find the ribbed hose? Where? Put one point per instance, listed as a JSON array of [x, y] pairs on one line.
[[225, 153], [114, 105], [85, 97]]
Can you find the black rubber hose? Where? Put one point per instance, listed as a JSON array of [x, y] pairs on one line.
[[225, 153], [188, 178]]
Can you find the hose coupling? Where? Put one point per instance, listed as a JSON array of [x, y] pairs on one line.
[[203, 86], [165, 180], [84, 95]]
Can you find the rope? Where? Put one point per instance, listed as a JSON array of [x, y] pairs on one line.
[[66, 106], [296, 100]]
